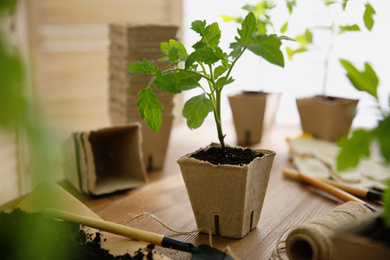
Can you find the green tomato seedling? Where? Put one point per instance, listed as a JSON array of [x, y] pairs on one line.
[[208, 62]]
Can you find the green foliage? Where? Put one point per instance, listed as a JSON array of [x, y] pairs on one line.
[[196, 109], [382, 133], [335, 28], [262, 14], [284, 27], [368, 16], [6, 5], [208, 62], [262, 11], [291, 4], [150, 108], [366, 80], [386, 201], [144, 67], [16, 114], [348, 28], [358, 145], [12, 103], [304, 40], [354, 148], [344, 4]]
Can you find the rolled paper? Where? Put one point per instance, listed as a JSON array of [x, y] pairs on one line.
[[311, 240]]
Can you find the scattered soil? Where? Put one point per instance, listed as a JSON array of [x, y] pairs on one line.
[[378, 231], [228, 155], [35, 236]]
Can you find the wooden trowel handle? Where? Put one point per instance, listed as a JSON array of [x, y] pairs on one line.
[[118, 229], [338, 193], [111, 227]]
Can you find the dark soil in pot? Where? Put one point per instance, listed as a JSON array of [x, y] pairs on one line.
[[327, 98], [227, 155], [378, 231], [252, 92], [35, 236]]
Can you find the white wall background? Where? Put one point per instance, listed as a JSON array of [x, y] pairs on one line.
[[304, 75]]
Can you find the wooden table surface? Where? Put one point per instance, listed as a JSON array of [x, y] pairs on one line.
[[287, 202]]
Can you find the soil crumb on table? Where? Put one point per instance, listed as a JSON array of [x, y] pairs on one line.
[[35, 236]]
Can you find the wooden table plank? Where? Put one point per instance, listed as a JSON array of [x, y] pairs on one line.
[[286, 204]]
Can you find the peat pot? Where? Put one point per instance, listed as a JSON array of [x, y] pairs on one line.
[[253, 115], [349, 243], [227, 199], [104, 161], [326, 118]]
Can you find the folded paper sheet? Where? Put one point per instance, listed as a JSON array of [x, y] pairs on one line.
[[317, 157], [106, 160]]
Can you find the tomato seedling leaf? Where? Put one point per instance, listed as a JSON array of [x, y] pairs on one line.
[[196, 110], [354, 148], [150, 108], [366, 80]]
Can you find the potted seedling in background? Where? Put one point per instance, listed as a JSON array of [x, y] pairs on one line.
[[369, 239], [328, 117], [262, 12], [226, 196], [251, 127]]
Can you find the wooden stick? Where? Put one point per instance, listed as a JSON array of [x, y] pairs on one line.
[[111, 227], [338, 193], [360, 192]]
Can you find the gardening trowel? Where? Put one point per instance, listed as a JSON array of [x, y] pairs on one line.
[[201, 252], [50, 195]]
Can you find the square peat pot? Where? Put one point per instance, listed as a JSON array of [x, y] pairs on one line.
[[227, 199], [349, 243], [326, 118], [253, 115], [105, 160]]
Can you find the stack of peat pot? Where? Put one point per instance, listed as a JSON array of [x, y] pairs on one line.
[[130, 42]]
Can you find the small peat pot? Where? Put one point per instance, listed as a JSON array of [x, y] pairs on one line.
[[253, 114], [104, 161], [365, 239], [226, 198], [326, 117]]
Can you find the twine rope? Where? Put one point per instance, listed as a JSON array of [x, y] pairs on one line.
[[134, 217], [228, 250], [318, 230], [279, 252]]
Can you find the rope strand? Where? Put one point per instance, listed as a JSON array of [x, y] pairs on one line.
[[134, 217], [313, 237]]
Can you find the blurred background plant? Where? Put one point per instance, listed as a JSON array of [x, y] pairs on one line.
[[336, 26], [13, 105], [303, 77], [19, 111], [19, 114], [262, 11], [363, 142]]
